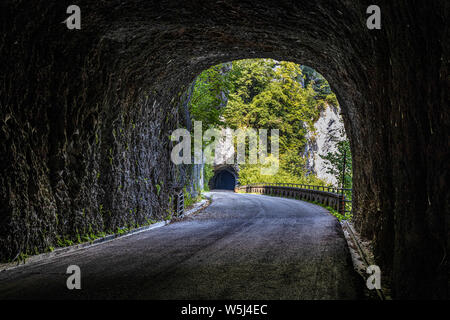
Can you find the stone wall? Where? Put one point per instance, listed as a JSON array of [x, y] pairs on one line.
[[84, 143]]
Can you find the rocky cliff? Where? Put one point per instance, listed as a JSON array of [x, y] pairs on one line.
[[329, 129]]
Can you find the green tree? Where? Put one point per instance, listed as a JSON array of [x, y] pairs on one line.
[[209, 96], [335, 164]]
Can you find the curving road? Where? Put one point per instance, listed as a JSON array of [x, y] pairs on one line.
[[243, 246]]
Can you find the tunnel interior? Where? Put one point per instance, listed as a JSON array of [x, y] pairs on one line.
[[87, 115]]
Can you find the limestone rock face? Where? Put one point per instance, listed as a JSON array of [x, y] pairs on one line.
[[86, 114], [329, 129], [224, 148]]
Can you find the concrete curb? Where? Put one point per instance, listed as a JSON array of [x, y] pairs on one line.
[[197, 207], [61, 251], [362, 252]]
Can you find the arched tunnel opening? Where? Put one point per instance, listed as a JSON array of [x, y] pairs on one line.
[[295, 100], [86, 115], [224, 180]]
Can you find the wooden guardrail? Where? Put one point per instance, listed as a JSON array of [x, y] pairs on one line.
[[329, 196]]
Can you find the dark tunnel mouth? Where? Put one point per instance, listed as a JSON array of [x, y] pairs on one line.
[[224, 179]]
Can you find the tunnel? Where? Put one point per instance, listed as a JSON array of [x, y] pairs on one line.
[[224, 180], [86, 114]]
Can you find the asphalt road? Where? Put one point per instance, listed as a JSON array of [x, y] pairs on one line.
[[242, 246]]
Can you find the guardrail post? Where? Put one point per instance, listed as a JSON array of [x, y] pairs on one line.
[[342, 204], [180, 209], [179, 201]]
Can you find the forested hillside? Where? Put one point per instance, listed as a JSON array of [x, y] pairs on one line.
[[269, 94]]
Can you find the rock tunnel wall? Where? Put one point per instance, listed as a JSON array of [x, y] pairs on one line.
[[86, 114], [84, 143]]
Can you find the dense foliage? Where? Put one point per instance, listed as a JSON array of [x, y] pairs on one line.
[[336, 164], [209, 95], [264, 93]]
